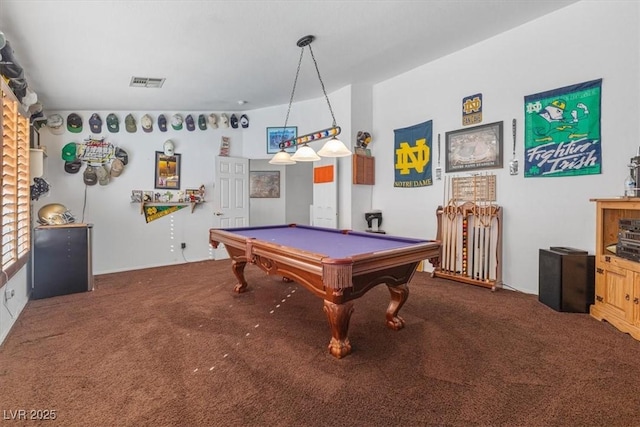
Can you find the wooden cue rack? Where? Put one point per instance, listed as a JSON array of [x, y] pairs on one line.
[[470, 232]]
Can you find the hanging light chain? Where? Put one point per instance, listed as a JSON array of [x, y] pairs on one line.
[[293, 91], [322, 84]]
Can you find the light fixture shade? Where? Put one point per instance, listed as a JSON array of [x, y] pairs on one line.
[[305, 154], [282, 158], [334, 148]]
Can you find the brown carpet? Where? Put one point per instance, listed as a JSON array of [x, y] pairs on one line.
[[174, 346]]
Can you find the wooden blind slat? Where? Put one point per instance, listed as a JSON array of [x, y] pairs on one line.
[[15, 208]]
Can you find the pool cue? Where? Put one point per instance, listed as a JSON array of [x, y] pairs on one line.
[[488, 244], [454, 214], [478, 243], [487, 274], [451, 227], [445, 228], [473, 239], [494, 213]]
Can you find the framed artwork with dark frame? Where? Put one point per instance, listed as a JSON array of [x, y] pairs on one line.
[[276, 135], [167, 171], [479, 147]]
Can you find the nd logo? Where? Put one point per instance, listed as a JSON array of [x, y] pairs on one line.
[[408, 157], [472, 105]]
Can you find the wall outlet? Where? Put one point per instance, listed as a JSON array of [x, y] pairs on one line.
[[183, 245], [8, 294]]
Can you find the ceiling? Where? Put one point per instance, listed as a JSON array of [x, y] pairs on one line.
[[82, 55]]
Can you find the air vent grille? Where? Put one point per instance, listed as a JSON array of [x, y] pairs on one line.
[[149, 82]]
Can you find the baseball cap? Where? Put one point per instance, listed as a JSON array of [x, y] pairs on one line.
[[73, 166], [69, 152], [130, 123], [176, 122], [213, 121], [116, 167], [147, 123], [224, 121], [74, 123], [113, 124], [95, 123], [234, 121], [244, 121], [168, 148], [202, 122], [103, 174], [89, 176], [162, 123], [54, 123], [122, 155], [190, 123], [39, 188]]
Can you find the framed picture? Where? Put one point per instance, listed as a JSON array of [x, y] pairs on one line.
[[167, 172], [264, 184], [136, 195], [194, 195], [276, 135], [479, 147]]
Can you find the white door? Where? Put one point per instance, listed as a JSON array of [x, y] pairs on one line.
[[325, 195], [231, 196]]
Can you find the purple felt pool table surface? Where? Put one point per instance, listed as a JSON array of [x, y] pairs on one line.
[[330, 242], [336, 265]]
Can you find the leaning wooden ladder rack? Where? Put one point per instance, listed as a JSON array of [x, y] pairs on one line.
[[470, 229]]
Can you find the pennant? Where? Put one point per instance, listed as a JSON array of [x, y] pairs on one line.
[[151, 213]]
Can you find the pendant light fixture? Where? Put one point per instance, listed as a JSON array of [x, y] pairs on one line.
[[332, 148]]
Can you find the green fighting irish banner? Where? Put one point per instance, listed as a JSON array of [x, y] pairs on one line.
[[562, 131], [413, 156]]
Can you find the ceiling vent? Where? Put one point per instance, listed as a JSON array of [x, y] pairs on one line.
[[149, 82]]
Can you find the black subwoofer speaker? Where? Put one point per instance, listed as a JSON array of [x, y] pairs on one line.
[[566, 279]]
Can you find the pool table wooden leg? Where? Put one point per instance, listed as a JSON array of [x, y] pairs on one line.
[[238, 270], [399, 295], [339, 316]]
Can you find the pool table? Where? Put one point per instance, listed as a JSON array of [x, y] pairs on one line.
[[336, 265]]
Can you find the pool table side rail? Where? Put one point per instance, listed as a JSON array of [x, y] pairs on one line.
[[335, 273]]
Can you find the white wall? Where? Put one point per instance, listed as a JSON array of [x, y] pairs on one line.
[[122, 239], [585, 41], [582, 42]]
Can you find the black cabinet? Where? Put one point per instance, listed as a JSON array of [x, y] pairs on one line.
[[62, 261], [566, 279]]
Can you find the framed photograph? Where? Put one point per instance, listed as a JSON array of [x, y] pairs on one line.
[[167, 171], [276, 135], [264, 184], [148, 196], [136, 196], [194, 195], [479, 147]]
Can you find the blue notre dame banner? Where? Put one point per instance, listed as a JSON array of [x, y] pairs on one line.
[[413, 156], [562, 131]]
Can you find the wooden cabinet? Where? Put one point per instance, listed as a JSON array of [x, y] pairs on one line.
[[364, 171], [617, 293]]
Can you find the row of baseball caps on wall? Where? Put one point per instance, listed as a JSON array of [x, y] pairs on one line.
[[55, 122]]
